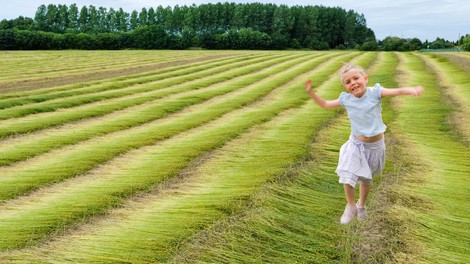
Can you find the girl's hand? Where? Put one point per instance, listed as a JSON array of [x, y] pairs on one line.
[[308, 86], [418, 90]]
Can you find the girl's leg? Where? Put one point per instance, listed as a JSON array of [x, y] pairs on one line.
[[351, 210], [363, 192], [349, 191], [361, 204]]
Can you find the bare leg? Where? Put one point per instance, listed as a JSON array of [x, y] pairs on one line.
[[351, 210], [349, 191], [363, 192]]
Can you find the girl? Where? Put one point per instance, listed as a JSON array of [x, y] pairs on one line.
[[363, 155]]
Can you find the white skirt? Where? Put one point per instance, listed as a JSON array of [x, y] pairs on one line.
[[359, 161]]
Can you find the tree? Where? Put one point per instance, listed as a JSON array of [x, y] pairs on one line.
[[73, 17], [466, 42], [111, 20], [83, 20], [103, 22], [121, 20], [40, 19], [415, 44], [440, 43], [20, 23], [220, 25], [7, 39], [143, 17], [392, 43], [63, 20], [134, 20], [400, 44], [160, 16], [149, 37], [369, 45], [85, 41], [52, 19], [151, 19], [281, 27], [93, 20], [108, 41]]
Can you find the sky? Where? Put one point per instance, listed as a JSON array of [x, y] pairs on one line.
[[423, 19]]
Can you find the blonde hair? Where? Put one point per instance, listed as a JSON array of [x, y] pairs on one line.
[[351, 67]]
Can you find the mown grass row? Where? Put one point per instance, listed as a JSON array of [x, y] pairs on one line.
[[32, 79], [379, 239], [126, 78], [461, 59], [28, 146], [294, 219], [438, 217], [125, 88], [200, 206], [45, 94], [25, 65], [44, 120], [95, 194], [66, 163], [454, 81], [210, 198]]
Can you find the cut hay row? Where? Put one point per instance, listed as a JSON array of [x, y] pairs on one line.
[[77, 159], [126, 77], [454, 82], [296, 217], [41, 95], [121, 89], [378, 240], [108, 185], [292, 219], [33, 77], [24, 65], [437, 216], [461, 59], [29, 145], [164, 88], [213, 196], [238, 167]]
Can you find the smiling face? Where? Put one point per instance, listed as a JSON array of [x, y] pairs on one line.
[[355, 82]]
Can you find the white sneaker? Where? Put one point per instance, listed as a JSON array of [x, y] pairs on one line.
[[361, 212], [348, 214]]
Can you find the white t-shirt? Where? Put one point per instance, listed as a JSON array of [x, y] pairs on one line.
[[365, 113]]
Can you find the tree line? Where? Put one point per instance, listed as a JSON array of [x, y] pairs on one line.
[[212, 26]]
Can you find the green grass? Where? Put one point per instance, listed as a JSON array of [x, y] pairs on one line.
[[80, 158], [233, 167], [440, 219], [194, 92], [126, 88], [453, 82], [296, 218], [169, 160], [45, 120], [41, 95], [213, 194], [27, 66]]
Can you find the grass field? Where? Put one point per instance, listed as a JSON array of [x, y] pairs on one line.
[[221, 157]]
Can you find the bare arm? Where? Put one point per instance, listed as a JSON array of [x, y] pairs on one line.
[[415, 91], [320, 101]]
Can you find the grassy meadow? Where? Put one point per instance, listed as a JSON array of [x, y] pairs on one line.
[[221, 157]]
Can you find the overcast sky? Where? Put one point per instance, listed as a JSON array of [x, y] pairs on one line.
[[424, 19]]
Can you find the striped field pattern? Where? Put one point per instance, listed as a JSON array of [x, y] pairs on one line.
[[221, 157]]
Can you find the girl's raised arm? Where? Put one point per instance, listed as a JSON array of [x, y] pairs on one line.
[[320, 101], [415, 91]]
